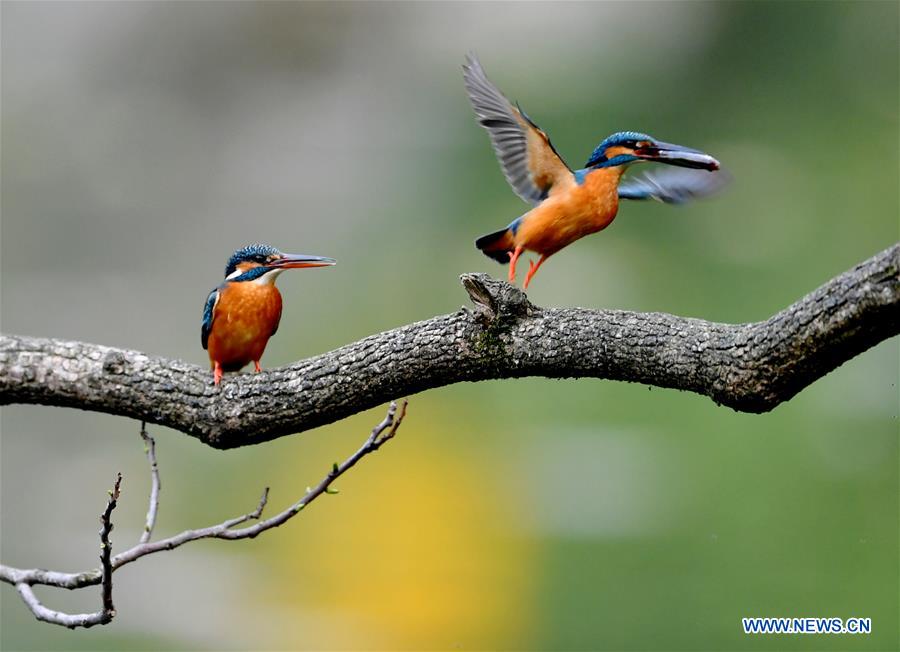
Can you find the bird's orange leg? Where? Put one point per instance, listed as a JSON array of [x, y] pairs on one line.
[[256, 366], [217, 374], [532, 270], [513, 258]]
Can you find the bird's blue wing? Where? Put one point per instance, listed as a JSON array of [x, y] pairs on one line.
[[673, 185], [208, 314], [529, 161]]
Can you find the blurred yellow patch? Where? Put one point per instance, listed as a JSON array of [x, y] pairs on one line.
[[414, 552]]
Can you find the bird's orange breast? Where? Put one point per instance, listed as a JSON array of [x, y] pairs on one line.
[[565, 217], [244, 319]]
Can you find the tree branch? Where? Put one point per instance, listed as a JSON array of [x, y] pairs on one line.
[[24, 579], [749, 367], [104, 576], [155, 486]]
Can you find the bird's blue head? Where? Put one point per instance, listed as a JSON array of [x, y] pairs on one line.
[[627, 147], [260, 260]]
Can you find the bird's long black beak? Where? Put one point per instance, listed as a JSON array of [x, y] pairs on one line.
[[677, 155], [297, 261]]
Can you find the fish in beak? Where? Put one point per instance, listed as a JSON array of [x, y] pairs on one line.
[[677, 155]]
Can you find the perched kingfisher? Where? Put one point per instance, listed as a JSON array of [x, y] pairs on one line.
[[570, 205], [243, 312]]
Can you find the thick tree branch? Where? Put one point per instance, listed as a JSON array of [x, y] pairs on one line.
[[25, 578], [748, 367]]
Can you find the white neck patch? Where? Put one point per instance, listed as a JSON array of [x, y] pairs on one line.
[[268, 278]]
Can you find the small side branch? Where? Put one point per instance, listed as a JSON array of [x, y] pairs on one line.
[[108, 610], [382, 433], [155, 486], [106, 569], [25, 579]]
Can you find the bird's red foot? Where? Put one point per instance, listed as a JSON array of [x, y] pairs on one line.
[[513, 259], [217, 374], [532, 270], [256, 366]]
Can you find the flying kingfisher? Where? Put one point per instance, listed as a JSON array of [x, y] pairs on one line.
[[569, 205], [243, 312]]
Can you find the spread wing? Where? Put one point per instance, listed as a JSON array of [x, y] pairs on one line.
[[208, 313], [673, 185], [530, 163]]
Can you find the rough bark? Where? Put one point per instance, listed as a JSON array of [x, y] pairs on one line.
[[749, 367]]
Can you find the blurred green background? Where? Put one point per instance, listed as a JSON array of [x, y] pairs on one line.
[[143, 142]]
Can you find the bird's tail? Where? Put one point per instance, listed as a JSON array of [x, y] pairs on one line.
[[497, 245]]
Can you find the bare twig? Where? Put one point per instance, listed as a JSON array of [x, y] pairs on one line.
[[57, 617], [155, 486], [107, 611], [750, 367], [24, 579], [106, 526]]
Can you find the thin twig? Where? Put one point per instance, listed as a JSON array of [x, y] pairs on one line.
[[106, 526], [24, 579], [107, 611], [372, 444], [57, 617], [155, 486]]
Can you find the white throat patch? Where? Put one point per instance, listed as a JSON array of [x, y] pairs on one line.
[[268, 278]]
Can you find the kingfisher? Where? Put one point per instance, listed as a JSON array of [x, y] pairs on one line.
[[243, 312], [567, 204]]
